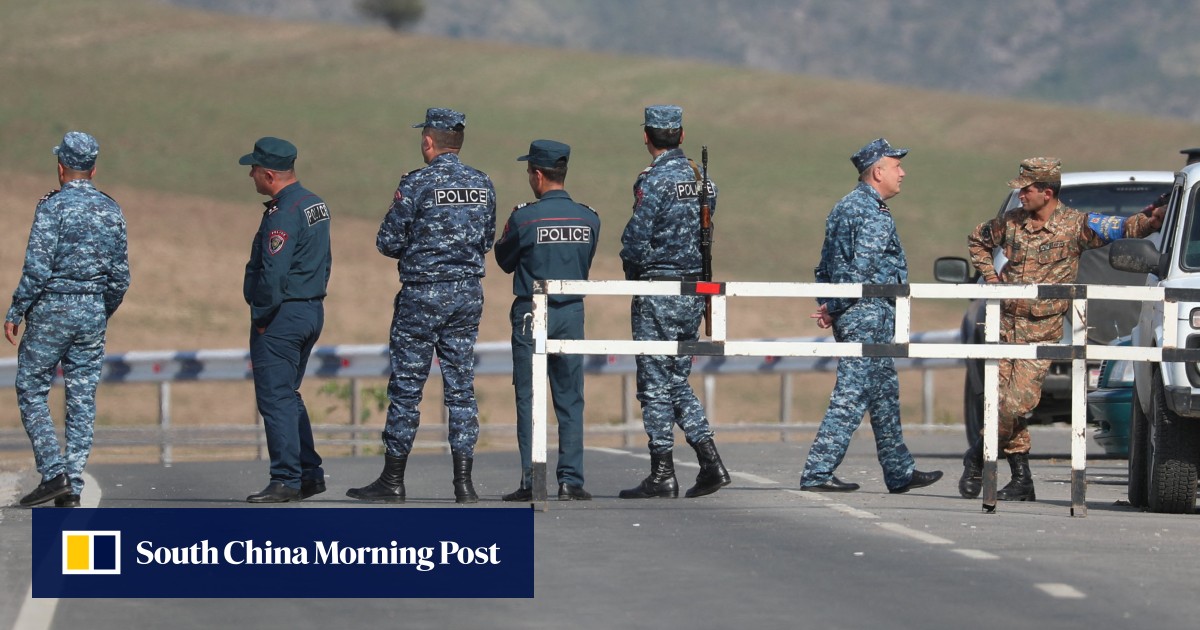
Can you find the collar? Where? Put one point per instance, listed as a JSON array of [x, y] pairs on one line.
[[279, 195], [448, 156], [870, 191], [1053, 222], [669, 154], [557, 192], [79, 183]]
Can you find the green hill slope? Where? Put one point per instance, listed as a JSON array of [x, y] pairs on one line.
[[175, 96]]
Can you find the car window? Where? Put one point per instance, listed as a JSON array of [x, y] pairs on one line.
[[1191, 237], [1122, 199]]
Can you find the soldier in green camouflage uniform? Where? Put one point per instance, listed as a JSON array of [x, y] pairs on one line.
[[1043, 240]]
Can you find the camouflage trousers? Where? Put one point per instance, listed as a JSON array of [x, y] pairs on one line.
[[441, 318], [1021, 379], [662, 381], [66, 329], [865, 385]]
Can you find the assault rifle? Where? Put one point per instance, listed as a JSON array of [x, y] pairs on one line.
[[706, 238]]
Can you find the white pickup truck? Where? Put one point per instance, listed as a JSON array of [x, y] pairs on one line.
[[1164, 446]]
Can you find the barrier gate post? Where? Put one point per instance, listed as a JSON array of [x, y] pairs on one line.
[[1079, 375], [538, 439], [991, 405]]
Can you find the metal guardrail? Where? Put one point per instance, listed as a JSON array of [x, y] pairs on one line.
[[355, 362]]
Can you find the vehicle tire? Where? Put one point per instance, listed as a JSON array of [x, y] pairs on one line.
[[1139, 454], [1174, 461]]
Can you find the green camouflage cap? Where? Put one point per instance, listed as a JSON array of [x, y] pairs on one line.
[[1046, 170]]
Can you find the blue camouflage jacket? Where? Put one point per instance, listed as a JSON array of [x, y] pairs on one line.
[[290, 258], [861, 246], [441, 223], [662, 237], [77, 245]]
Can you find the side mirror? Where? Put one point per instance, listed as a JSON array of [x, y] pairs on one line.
[[953, 269], [1134, 255]]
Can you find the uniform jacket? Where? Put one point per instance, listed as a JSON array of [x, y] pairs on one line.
[[861, 246], [442, 222], [553, 238], [1045, 255], [662, 237], [290, 257], [77, 245]]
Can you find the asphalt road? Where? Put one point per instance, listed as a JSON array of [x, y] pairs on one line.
[[758, 554]]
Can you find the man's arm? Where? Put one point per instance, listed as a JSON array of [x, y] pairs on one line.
[[118, 274], [279, 234], [508, 248], [392, 239], [986, 237], [39, 262], [635, 240]]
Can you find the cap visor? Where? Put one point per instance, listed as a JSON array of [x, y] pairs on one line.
[[1019, 183], [523, 158], [248, 160]]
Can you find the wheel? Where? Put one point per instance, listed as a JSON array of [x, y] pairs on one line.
[[1174, 457], [1139, 454]]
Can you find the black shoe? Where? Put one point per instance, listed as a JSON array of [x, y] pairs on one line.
[[67, 500], [568, 492], [971, 482], [464, 489], [833, 485], [52, 489], [275, 492], [660, 483], [520, 495], [713, 475], [310, 487], [918, 480], [389, 487]]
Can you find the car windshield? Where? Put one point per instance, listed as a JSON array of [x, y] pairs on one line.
[[1122, 198]]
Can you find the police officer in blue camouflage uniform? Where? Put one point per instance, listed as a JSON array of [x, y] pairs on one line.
[[862, 246], [285, 284], [662, 242], [75, 276], [440, 226], [552, 238]]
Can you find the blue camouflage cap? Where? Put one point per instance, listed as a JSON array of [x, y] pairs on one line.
[[442, 118], [546, 153], [664, 117], [77, 151], [873, 152], [275, 154]]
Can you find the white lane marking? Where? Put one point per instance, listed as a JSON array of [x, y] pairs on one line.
[[976, 554], [916, 534], [1060, 591], [611, 451], [811, 496], [38, 614], [851, 511], [753, 478]]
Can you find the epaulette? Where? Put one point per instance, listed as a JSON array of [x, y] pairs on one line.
[[589, 208], [521, 205], [110, 198], [49, 195]]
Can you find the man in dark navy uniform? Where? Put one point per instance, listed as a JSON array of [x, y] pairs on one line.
[[553, 238], [285, 284]]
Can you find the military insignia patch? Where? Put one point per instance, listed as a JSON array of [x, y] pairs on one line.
[[275, 241], [316, 213]]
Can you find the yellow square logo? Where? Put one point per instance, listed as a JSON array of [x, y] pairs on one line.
[[91, 552]]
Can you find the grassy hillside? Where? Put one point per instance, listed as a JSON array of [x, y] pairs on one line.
[[175, 96]]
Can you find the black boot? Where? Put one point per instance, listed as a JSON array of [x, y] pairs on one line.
[[660, 483], [971, 481], [1021, 486], [464, 490], [389, 487], [713, 475]]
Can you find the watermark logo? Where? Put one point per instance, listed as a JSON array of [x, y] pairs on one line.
[[91, 552]]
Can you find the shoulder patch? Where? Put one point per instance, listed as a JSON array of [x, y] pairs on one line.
[[275, 241], [316, 213], [691, 189]]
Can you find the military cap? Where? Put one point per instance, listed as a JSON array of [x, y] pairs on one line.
[[442, 118], [77, 151], [546, 153], [1046, 170], [271, 153], [873, 152], [1193, 154], [664, 117]]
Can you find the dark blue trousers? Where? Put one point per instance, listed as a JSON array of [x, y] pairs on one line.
[[565, 372], [280, 356]]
